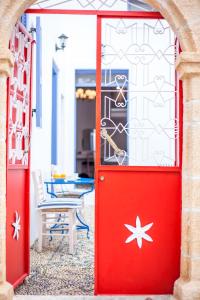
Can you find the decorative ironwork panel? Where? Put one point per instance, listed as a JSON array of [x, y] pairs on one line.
[[120, 5], [139, 113], [19, 97]]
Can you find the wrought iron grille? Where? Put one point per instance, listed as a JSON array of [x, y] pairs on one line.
[[19, 97], [122, 5], [139, 112]]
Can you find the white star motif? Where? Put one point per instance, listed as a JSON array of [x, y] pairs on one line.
[[138, 233], [17, 226]]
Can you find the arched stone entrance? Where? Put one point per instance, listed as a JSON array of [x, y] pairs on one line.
[[183, 16]]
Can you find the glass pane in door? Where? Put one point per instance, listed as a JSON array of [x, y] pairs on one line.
[[139, 99]]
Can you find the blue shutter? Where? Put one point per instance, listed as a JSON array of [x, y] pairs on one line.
[[54, 115], [24, 20], [38, 73]]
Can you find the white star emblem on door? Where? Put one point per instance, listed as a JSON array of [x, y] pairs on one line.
[[138, 232], [16, 226]]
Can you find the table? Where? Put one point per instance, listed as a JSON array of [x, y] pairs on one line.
[[78, 181]]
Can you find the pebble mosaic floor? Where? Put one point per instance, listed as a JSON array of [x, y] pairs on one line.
[[55, 272]]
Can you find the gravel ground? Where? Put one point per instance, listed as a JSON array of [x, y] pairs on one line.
[[55, 272]]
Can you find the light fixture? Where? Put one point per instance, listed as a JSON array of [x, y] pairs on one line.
[[85, 94], [62, 42], [33, 111], [32, 30]]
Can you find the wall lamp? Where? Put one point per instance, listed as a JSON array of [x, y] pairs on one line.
[[62, 42], [32, 30], [33, 111]]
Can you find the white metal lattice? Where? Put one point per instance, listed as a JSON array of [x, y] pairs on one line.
[[19, 98], [94, 4], [140, 113]]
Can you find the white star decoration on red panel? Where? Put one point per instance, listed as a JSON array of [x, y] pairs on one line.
[[138, 232], [16, 226]]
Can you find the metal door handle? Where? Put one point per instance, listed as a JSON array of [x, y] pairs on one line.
[[117, 150], [102, 178]]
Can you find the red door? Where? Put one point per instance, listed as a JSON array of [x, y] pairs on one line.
[[18, 156], [138, 169]]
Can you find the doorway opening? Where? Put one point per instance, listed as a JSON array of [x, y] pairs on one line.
[[57, 139], [85, 126]]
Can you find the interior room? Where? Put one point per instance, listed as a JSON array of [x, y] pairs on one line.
[[85, 127]]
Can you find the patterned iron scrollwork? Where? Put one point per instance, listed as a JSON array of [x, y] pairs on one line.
[[19, 97], [140, 106], [95, 4]]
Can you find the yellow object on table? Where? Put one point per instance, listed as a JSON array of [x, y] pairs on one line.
[[59, 176]]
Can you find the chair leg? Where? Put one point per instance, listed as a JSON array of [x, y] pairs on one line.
[[72, 231], [74, 228], [40, 232], [44, 230]]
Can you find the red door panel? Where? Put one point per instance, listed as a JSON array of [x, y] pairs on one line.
[[17, 249], [138, 156], [18, 157], [124, 268]]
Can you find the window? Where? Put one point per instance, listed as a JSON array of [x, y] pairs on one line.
[[54, 121], [38, 73], [24, 20]]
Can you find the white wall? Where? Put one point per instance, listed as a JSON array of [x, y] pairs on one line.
[[80, 53]]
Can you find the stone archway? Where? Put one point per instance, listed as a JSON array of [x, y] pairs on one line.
[[183, 16]]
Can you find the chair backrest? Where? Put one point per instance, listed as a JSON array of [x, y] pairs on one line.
[[38, 186]]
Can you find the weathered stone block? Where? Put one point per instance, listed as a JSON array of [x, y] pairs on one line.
[[192, 109], [191, 146], [187, 290], [6, 291], [190, 192]]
